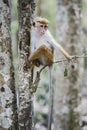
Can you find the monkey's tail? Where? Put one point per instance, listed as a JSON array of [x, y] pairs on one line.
[[51, 92]]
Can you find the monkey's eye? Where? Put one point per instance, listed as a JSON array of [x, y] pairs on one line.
[[44, 26]]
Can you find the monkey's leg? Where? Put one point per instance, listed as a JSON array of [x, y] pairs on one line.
[[48, 55], [42, 51], [36, 54]]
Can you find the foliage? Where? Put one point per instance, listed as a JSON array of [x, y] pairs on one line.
[[65, 72]]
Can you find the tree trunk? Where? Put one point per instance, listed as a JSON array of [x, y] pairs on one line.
[[26, 8], [8, 107], [68, 90]]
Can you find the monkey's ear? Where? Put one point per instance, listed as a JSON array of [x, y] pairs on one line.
[[34, 24]]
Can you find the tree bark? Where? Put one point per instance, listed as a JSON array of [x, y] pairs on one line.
[[8, 106], [68, 90], [26, 8]]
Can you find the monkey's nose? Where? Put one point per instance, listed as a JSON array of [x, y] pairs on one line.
[[43, 31]]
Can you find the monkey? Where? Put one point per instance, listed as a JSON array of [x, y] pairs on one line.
[[41, 36], [42, 52]]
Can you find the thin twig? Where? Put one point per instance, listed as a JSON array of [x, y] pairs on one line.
[[42, 68], [73, 58]]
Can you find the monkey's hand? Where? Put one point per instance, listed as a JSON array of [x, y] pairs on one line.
[[70, 58], [73, 58]]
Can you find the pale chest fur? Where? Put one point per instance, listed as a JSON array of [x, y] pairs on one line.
[[37, 41]]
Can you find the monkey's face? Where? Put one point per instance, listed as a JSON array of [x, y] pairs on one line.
[[42, 29]]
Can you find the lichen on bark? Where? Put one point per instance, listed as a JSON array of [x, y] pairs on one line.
[[25, 9], [7, 90]]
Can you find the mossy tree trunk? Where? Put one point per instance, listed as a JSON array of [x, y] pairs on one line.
[[8, 107], [25, 11], [68, 90]]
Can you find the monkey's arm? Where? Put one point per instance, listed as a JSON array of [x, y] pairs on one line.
[[58, 46], [63, 51]]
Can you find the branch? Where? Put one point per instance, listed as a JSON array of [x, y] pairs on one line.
[[37, 79], [73, 58]]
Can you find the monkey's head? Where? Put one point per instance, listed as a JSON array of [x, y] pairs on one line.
[[41, 24]]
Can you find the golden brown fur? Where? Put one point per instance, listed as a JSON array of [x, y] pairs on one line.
[[41, 20], [44, 52]]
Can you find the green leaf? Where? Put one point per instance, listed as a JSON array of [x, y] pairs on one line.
[[65, 72]]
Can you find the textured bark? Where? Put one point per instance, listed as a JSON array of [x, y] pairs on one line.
[[8, 108], [68, 91], [26, 8]]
